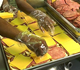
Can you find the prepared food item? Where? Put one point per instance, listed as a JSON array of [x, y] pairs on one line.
[[6, 15], [71, 15], [49, 2], [24, 58], [68, 43], [21, 61], [41, 59], [20, 56], [57, 52], [77, 20], [50, 42], [57, 3], [69, 9], [72, 5], [62, 38], [72, 47]]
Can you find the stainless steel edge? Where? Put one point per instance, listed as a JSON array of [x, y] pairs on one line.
[[6, 65], [55, 62]]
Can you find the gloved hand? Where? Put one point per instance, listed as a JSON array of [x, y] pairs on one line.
[[44, 21], [33, 42], [8, 8]]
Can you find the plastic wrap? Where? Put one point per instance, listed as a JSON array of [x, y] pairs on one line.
[[33, 42], [44, 21], [8, 8]]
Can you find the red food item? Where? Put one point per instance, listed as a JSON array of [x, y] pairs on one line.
[[63, 8], [7, 53], [58, 3], [67, 8], [71, 15], [3, 44], [49, 2], [76, 25], [77, 20], [14, 68], [32, 22], [67, 1], [11, 59], [57, 52], [73, 5], [31, 64]]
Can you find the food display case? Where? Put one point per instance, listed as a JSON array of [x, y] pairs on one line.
[[57, 17]]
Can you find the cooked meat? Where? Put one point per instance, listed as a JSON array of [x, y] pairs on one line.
[[63, 8], [31, 64], [74, 5], [58, 3], [77, 20], [57, 52], [76, 25], [69, 9], [70, 15], [49, 2]]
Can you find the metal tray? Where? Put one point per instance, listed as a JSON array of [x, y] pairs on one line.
[[74, 30], [44, 66], [3, 59]]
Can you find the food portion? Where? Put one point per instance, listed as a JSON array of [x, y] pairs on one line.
[[21, 57], [57, 52], [69, 9], [6, 15], [68, 43]]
